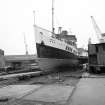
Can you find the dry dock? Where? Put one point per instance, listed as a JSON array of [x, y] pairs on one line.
[[54, 88], [57, 89]]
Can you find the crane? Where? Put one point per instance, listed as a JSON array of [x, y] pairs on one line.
[[26, 47], [100, 35]]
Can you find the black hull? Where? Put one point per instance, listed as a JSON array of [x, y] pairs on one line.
[[50, 58], [44, 51]]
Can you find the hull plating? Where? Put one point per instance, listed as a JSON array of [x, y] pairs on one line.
[[44, 51], [50, 58]]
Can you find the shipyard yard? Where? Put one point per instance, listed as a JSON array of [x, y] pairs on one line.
[[60, 88], [47, 61], [59, 74], [54, 88]]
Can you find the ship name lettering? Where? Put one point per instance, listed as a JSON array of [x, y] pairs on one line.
[[68, 49], [51, 40]]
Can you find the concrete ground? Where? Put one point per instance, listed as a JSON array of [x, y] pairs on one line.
[[54, 88], [90, 90], [16, 94]]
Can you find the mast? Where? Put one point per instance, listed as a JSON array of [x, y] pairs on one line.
[[52, 16], [34, 25], [34, 16]]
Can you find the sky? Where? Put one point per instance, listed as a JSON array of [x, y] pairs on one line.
[[16, 19]]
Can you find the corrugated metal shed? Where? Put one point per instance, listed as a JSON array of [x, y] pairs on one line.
[[19, 61]]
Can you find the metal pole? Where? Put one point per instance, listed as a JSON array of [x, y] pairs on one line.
[[34, 27], [34, 17], [53, 16]]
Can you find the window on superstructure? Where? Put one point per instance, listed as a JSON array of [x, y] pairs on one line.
[[41, 33], [69, 42], [73, 43]]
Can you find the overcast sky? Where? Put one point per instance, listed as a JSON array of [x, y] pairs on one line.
[[16, 18]]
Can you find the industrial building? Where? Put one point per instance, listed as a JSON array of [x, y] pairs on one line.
[[19, 61]]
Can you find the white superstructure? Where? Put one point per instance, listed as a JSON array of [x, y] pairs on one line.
[[45, 37]]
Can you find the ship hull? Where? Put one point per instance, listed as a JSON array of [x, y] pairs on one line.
[[50, 64], [50, 58]]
